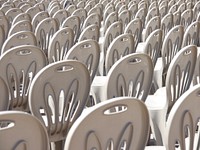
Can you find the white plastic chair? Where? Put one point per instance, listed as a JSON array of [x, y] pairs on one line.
[[19, 38], [12, 13], [91, 32], [88, 53], [182, 125], [38, 18], [20, 17], [196, 76], [6, 7], [183, 122], [178, 81], [4, 24], [97, 9], [125, 18], [112, 32], [111, 18], [177, 18], [118, 48], [23, 131], [60, 16], [152, 46], [82, 14], [44, 32], [133, 10], [166, 24], [33, 11], [4, 102], [196, 10], [187, 18], [129, 76], [152, 24], [23, 25], [151, 13], [58, 95], [60, 44], [141, 14], [2, 37], [171, 45], [19, 72], [93, 18], [135, 28], [127, 128], [191, 34], [71, 9], [108, 10], [163, 10], [74, 23], [25, 7]]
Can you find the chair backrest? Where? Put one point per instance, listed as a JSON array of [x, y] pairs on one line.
[[12, 13], [108, 10], [96, 10], [125, 18], [141, 14], [153, 45], [71, 8], [130, 76], [177, 18], [60, 16], [4, 101], [58, 95], [166, 24], [22, 131], [196, 77], [4, 23], [182, 124], [93, 18], [2, 37], [152, 24], [90, 32], [153, 12], [171, 45], [172, 7], [196, 10], [111, 18], [38, 18], [23, 25], [60, 44], [19, 71], [133, 8], [87, 52], [32, 11], [127, 128], [187, 18], [112, 32], [82, 14], [74, 23], [191, 35], [180, 73], [19, 38], [20, 17], [135, 28], [119, 47], [163, 10], [44, 32], [25, 7]]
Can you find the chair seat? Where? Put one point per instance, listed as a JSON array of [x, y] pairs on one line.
[[155, 102], [140, 47], [155, 148], [98, 87], [158, 70]]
